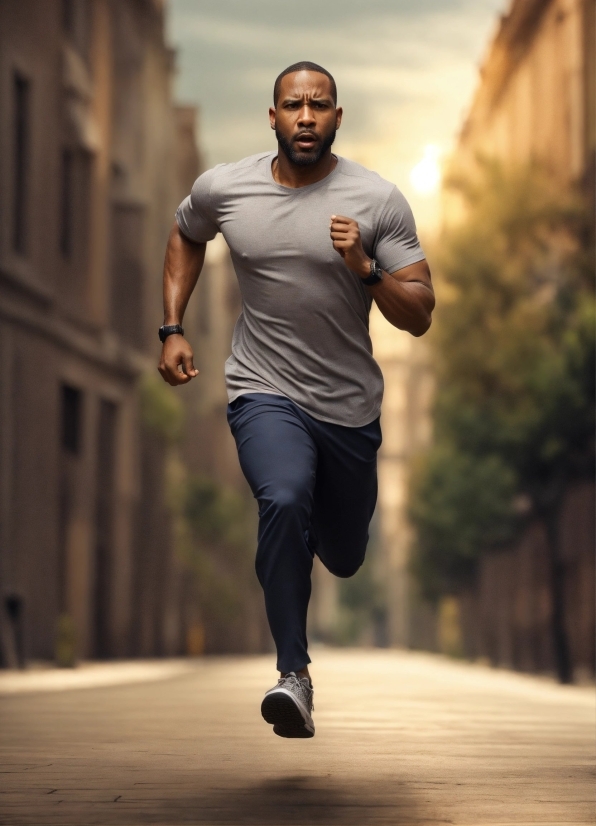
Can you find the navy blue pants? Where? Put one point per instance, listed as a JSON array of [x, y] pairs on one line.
[[316, 486]]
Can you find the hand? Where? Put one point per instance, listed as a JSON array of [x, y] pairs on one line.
[[345, 234], [176, 365]]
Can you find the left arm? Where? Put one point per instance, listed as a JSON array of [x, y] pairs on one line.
[[406, 297]]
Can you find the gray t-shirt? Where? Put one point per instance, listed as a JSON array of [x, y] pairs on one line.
[[303, 331]]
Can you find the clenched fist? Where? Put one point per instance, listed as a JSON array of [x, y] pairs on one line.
[[176, 365], [345, 234]]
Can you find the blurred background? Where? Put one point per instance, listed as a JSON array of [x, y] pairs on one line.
[[126, 528]]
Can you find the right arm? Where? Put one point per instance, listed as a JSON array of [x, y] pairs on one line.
[[182, 267]]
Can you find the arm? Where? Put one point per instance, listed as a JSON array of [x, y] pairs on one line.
[[406, 297], [182, 267]]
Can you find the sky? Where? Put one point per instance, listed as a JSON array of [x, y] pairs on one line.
[[406, 71]]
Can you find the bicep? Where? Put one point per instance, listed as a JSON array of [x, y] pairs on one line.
[[195, 215], [419, 271], [396, 244], [183, 255]]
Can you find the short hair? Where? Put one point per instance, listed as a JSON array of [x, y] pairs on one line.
[[304, 65]]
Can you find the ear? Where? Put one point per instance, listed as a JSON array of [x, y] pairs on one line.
[[272, 118], [338, 116]]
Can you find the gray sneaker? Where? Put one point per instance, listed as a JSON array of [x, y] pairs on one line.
[[288, 707]]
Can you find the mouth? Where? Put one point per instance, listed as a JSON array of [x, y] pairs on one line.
[[306, 140]]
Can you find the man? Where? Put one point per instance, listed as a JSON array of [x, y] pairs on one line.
[[314, 239]]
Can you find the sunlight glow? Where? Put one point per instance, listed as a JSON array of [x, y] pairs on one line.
[[425, 177]]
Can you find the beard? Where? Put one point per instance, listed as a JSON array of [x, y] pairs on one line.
[[305, 158]]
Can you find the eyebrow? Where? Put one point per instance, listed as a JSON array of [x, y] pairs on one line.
[[314, 97]]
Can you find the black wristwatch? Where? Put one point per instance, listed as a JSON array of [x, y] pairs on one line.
[[376, 274], [170, 330]]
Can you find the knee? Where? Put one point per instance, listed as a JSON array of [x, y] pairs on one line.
[[287, 498], [343, 571]]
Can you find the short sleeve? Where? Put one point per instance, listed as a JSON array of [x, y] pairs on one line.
[[195, 215], [397, 244]]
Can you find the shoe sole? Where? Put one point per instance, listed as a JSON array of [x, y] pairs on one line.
[[282, 712]]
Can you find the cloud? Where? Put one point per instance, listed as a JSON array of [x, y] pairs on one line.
[[405, 71]]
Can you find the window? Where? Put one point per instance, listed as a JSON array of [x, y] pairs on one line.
[[105, 509], [68, 16], [21, 137], [72, 404], [66, 203], [127, 310], [76, 23]]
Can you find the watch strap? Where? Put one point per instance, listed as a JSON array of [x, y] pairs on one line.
[[170, 330], [376, 274]]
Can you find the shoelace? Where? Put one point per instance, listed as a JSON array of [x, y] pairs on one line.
[[303, 687]]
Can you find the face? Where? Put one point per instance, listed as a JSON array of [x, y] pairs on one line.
[[306, 118]]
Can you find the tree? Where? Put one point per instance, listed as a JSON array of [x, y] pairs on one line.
[[514, 353]]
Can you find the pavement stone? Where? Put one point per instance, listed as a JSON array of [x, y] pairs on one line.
[[402, 738]]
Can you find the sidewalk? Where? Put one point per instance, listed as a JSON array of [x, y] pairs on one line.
[[403, 739], [40, 677]]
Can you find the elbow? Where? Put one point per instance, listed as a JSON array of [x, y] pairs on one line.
[[424, 320], [421, 329], [421, 326]]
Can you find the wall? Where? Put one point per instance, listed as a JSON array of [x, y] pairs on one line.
[[535, 102], [89, 181], [506, 616]]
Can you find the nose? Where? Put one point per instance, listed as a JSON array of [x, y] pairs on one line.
[[306, 116]]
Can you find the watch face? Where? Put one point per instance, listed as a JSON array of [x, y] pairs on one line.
[[376, 274]]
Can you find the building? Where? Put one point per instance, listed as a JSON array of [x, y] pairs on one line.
[[536, 98], [536, 103], [94, 158]]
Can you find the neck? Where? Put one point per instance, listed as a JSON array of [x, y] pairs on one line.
[[291, 175]]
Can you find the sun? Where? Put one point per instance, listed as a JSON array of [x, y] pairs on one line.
[[425, 177]]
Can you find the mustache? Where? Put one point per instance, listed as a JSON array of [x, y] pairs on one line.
[[306, 133]]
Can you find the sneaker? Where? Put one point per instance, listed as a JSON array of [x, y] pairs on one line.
[[288, 707]]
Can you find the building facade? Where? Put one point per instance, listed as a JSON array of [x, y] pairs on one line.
[[536, 98], [94, 158], [536, 103]]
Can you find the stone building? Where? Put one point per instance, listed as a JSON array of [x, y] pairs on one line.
[[94, 158], [536, 99], [536, 102]]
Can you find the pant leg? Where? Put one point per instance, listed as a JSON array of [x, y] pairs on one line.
[[345, 493], [279, 459]]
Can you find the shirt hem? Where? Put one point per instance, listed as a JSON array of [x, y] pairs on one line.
[[327, 419], [410, 259]]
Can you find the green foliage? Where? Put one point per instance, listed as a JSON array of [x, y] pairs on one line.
[[362, 604], [362, 601], [162, 410], [220, 550], [514, 352], [460, 503]]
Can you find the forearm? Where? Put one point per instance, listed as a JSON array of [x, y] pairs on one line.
[[183, 264], [405, 297], [405, 304]]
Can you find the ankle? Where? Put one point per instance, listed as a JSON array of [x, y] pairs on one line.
[[302, 673]]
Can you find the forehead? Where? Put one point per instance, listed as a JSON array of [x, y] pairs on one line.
[[305, 83]]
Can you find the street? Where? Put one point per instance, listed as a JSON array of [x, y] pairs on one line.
[[402, 738]]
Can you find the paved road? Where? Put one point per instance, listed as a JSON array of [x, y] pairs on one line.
[[401, 739]]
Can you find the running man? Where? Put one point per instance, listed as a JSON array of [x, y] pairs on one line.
[[314, 239]]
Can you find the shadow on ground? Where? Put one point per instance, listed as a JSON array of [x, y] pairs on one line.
[[296, 800], [289, 801]]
